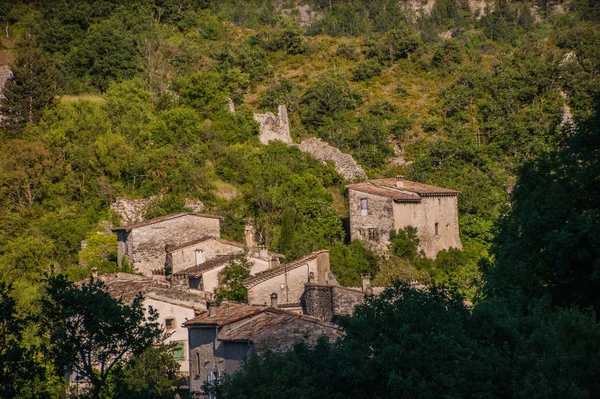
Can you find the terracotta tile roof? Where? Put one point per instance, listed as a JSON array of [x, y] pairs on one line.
[[228, 312], [198, 270], [410, 192], [267, 274], [267, 320], [164, 218]]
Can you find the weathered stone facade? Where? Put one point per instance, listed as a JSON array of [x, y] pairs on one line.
[[379, 206], [144, 244], [223, 337], [274, 127], [344, 164], [288, 280], [326, 302]]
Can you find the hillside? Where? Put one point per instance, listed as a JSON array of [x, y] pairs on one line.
[[448, 93]]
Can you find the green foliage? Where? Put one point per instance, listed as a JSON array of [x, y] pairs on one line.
[[151, 374], [106, 54], [393, 45], [326, 99], [92, 333], [236, 271], [348, 262], [30, 91], [366, 70], [548, 244], [21, 375]]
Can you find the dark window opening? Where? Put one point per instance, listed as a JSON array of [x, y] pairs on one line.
[[437, 229], [170, 323]]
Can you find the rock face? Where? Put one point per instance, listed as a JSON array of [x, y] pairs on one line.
[[134, 210], [5, 74], [131, 210], [345, 165], [274, 127]]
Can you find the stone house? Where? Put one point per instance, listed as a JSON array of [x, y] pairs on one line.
[[221, 338], [327, 302], [174, 306], [144, 244], [379, 206], [288, 280], [202, 261]]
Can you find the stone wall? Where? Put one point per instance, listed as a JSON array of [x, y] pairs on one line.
[[344, 164], [274, 127], [284, 337], [379, 216], [145, 246], [185, 258], [327, 301], [432, 211], [289, 284]]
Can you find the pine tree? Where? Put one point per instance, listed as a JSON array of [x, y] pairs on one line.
[[30, 91]]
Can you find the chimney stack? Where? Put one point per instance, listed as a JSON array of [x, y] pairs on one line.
[[366, 282], [95, 272], [274, 303], [212, 311], [400, 181]]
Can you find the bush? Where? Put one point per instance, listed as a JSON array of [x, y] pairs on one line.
[[366, 70]]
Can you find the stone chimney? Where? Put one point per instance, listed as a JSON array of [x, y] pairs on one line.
[[274, 262], [366, 282], [249, 233], [400, 181], [200, 257], [263, 253], [212, 311], [274, 303], [95, 272]]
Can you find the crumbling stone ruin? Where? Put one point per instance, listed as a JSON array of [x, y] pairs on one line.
[[345, 165], [277, 128], [274, 127]]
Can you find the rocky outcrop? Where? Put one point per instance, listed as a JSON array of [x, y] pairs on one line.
[[5, 74], [274, 127], [134, 210], [344, 164]]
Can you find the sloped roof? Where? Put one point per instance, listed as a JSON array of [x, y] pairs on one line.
[[125, 286], [410, 191], [163, 219], [228, 312], [269, 319], [267, 274], [198, 270], [174, 248]]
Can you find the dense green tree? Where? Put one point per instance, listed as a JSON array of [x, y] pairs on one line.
[[349, 262], [91, 333], [30, 90], [236, 271]]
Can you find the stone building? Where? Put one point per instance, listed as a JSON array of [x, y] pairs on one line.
[[174, 306], [327, 302], [202, 261], [379, 206], [144, 244], [288, 280], [221, 338]]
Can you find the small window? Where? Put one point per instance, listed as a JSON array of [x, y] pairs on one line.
[[364, 206], [179, 351], [198, 365], [437, 229], [373, 234], [170, 323]]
